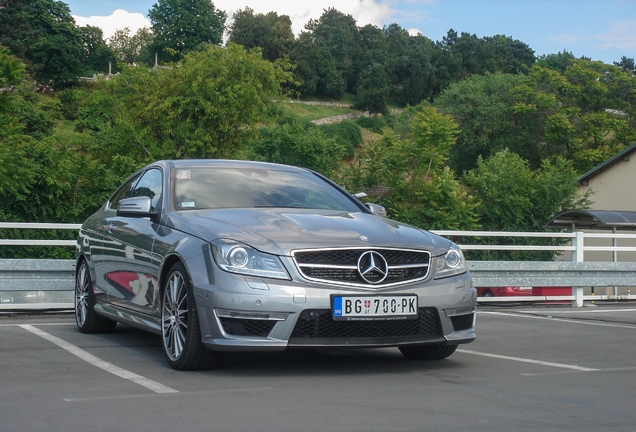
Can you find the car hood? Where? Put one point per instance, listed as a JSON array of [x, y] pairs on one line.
[[279, 231]]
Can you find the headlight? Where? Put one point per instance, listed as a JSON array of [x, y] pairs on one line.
[[451, 264], [235, 257]]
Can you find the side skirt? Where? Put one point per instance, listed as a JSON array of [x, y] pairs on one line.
[[128, 317]]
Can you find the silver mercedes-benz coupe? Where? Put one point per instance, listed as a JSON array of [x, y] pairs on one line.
[[221, 255]]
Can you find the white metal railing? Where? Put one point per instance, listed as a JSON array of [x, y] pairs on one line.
[[577, 239], [574, 247], [30, 225]]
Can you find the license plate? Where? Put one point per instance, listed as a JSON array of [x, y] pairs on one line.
[[374, 308]]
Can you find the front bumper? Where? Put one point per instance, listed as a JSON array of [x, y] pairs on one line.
[[250, 314]]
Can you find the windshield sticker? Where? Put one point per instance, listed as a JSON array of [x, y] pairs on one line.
[[183, 174], [187, 204]]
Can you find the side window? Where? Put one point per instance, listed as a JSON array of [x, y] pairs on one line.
[[150, 185], [123, 192]]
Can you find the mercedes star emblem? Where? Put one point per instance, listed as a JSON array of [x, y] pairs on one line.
[[372, 267]]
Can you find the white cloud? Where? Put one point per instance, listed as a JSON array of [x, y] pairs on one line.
[[415, 32], [364, 11], [118, 20], [622, 35], [568, 39]]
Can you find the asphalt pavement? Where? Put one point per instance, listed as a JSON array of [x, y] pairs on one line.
[[531, 369]]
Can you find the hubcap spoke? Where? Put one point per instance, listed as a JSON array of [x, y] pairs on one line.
[[174, 316], [81, 302]]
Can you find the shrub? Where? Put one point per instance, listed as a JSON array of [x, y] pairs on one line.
[[346, 133], [374, 124]]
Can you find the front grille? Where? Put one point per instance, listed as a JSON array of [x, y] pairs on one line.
[[247, 327], [348, 266], [463, 322], [318, 324]]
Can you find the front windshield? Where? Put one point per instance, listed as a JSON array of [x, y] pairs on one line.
[[199, 188]]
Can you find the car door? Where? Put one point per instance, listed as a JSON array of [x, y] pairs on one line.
[[131, 270], [102, 256]]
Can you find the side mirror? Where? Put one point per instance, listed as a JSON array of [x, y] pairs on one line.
[[376, 209], [135, 206]]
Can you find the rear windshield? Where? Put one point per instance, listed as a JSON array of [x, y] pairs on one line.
[[220, 188]]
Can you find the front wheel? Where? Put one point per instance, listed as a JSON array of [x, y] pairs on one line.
[[428, 352], [180, 331]]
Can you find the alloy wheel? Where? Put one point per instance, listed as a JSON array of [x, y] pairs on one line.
[[81, 295], [174, 316]]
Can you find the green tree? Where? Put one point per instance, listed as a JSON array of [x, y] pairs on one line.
[[272, 33], [503, 54], [408, 175], [39, 114], [315, 68], [557, 62], [96, 55], [416, 83], [15, 172], [180, 26], [346, 133], [483, 107], [338, 33], [43, 179], [43, 34], [626, 64], [409, 64], [514, 197], [39, 175], [206, 106], [457, 57], [585, 114], [374, 47], [23, 112], [374, 89], [130, 48], [12, 71], [447, 63], [469, 48], [295, 143]]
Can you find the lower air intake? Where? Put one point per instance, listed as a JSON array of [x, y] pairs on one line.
[[247, 327], [318, 324]]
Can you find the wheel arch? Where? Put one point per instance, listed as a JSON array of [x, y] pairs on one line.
[[168, 263], [82, 257]]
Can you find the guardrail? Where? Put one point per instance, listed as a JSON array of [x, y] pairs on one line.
[[37, 284], [48, 284]]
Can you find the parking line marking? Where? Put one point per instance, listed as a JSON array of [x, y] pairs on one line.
[[585, 310], [191, 393], [525, 360], [40, 324], [102, 364], [575, 321]]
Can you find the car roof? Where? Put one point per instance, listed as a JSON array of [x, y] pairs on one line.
[[225, 163]]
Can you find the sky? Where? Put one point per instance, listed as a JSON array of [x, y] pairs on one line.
[[602, 30]]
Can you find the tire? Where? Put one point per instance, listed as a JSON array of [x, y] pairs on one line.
[[180, 332], [86, 318], [428, 352], [487, 293]]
